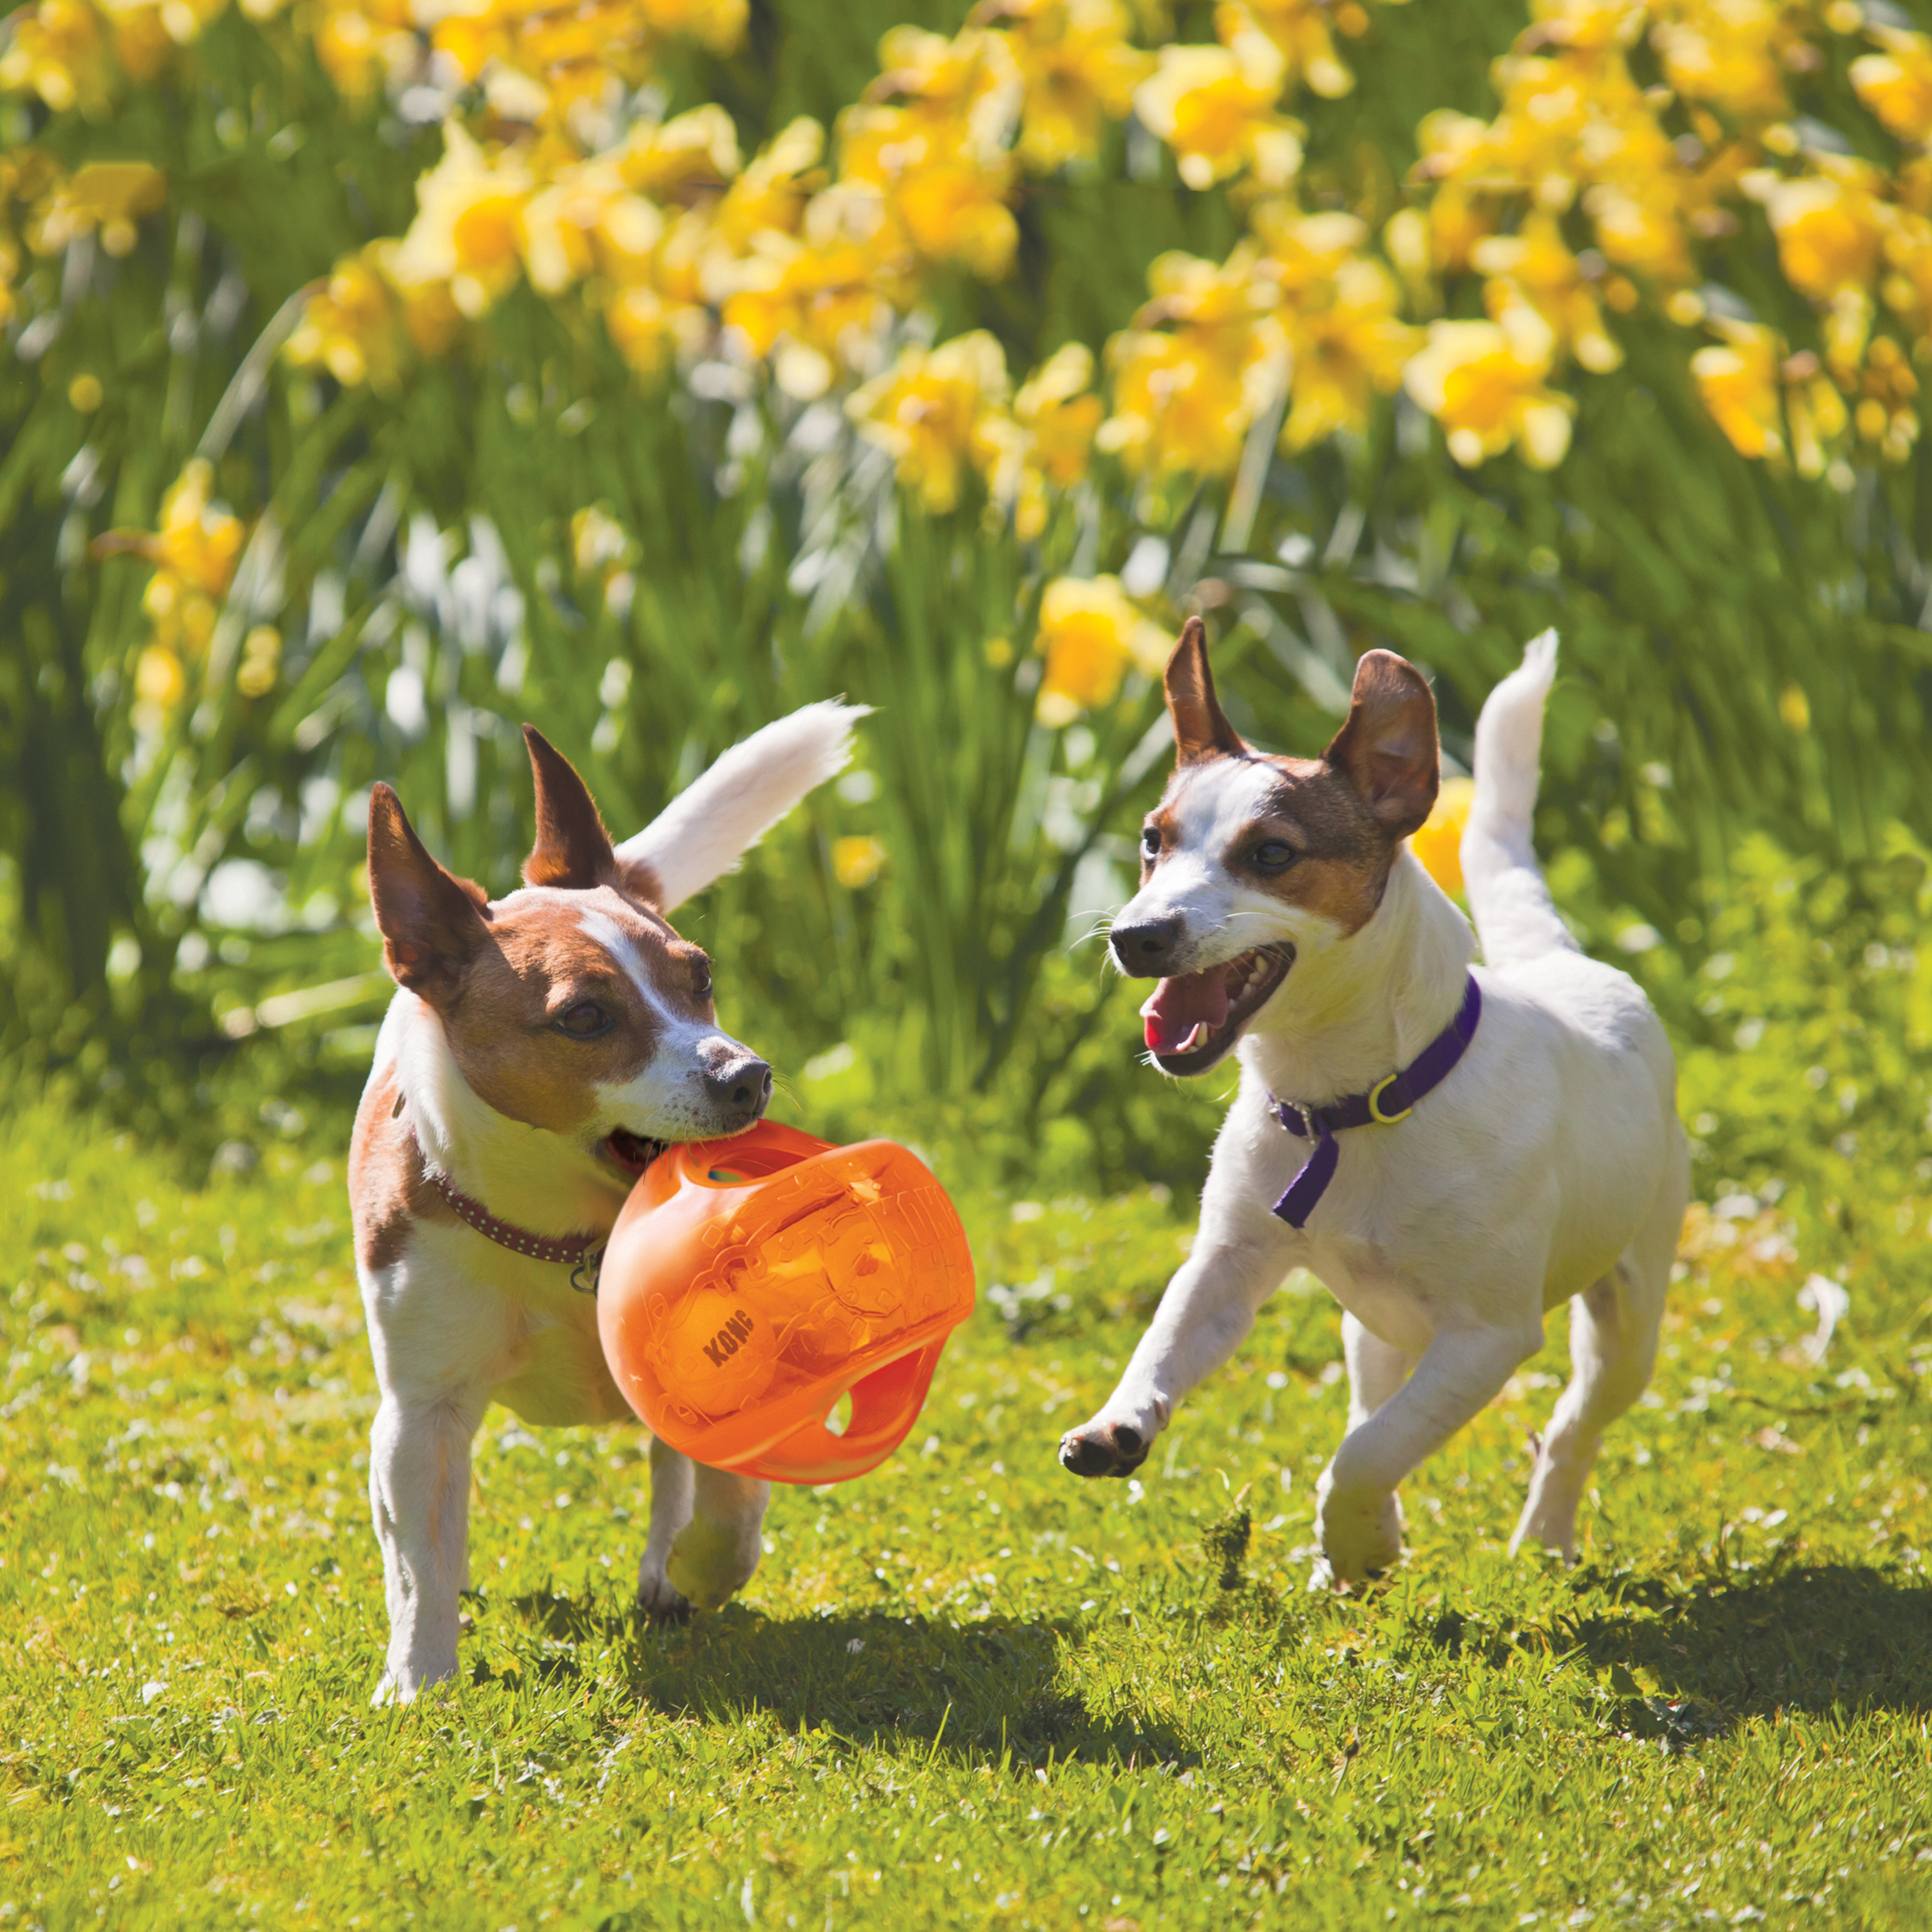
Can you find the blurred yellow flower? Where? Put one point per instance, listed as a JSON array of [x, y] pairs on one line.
[[256, 676], [1535, 265], [587, 219], [1090, 636], [1733, 53], [857, 862], [1215, 107], [364, 44], [942, 188], [106, 197], [1897, 85], [1484, 382], [1738, 381], [468, 234], [57, 50], [349, 326], [772, 193], [160, 683], [1340, 309], [1201, 361], [1438, 844], [194, 552], [939, 412], [1301, 30], [1057, 416], [1077, 69], [682, 160], [1828, 227]]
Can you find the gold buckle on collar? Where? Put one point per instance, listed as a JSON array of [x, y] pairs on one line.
[[1375, 1113]]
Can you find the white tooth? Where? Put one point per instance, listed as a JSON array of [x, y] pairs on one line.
[[1198, 1037]]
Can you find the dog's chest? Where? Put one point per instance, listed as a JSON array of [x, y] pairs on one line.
[[558, 1377], [1370, 1283]]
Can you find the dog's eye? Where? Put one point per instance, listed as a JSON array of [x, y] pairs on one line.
[[700, 980], [584, 1021], [1151, 842], [1274, 855]]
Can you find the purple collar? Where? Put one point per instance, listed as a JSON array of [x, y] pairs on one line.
[[1386, 1102]]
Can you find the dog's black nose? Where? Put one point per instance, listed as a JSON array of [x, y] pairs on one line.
[[744, 1083], [1146, 951]]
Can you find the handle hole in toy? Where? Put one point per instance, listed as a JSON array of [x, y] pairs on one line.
[[726, 1178], [840, 1419]]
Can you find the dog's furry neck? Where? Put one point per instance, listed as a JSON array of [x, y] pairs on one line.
[[545, 1182], [1351, 1013]]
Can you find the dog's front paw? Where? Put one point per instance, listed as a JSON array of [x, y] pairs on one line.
[[1103, 1449], [1361, 1536]]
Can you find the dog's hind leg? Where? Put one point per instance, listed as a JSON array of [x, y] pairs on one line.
[[1376, 1369], [1613, 1327], [1359, 1521]]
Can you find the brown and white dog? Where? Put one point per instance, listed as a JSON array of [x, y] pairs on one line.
[[539, 1048], [1536, 1162]]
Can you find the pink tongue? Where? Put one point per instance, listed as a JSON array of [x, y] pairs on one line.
[[1180, 1005]]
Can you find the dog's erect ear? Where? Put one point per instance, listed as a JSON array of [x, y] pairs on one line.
[[573, 850], [432, 922], [1388, 750], [1201, 729]]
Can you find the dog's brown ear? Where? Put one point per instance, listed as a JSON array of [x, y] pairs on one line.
[[1387, 749], [432, 922], [1201, 728], [573, 850]]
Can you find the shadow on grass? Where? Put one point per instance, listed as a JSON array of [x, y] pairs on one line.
[[981, 1690], [1815, 1638]]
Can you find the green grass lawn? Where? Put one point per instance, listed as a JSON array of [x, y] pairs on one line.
[[966, 1689]]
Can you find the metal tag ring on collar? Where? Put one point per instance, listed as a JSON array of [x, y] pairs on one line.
[[1375, 1113]]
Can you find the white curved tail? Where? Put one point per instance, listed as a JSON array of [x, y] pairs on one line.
[[1515, 918], [710, 825]]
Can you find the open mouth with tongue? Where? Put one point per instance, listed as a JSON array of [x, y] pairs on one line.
[[631, 1152], [1194, 1018]]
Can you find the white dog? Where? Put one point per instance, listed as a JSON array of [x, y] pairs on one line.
[[1281, 907], [540, 1049]]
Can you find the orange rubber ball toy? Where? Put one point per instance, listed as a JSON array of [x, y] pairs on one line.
[[750, 1284]]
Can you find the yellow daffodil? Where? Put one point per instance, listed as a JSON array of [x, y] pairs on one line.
[[468, 234], [1484, 383], [1090, 636], [931, 411], [1897, 85], [1215, 107], [1815, 413], [1303, 31], [683, 160], [107, 198], [1828, 227], [194, 551], [57, 50], [1439, 845], [1340, 308], [588, 219], [1735, 54], [1738, 381], [364, 45], [1887, 413], [1535, 265], [1077, 68], [349, 326], [771, 195], [857, 861], [1057, 414], [931, 137], [1202, 361]]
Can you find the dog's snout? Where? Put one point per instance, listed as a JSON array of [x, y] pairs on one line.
[[742, 1084], [1146, 949]]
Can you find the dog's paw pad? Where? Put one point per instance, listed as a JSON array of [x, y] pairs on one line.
[[1114, 1449]]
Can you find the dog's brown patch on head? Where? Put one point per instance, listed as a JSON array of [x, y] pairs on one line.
[[1342, 854], [554, 1010], [1201, 727]]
